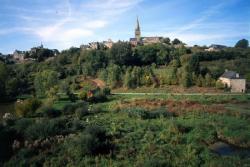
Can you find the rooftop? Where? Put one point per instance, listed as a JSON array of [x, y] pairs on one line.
[[231, 75]]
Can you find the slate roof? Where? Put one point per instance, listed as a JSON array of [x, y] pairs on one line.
[[231, 75], [133, 39]]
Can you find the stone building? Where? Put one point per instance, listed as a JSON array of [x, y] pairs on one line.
[[234, 81], [215, 48], [19, 55], [109, 43], [138, 40]]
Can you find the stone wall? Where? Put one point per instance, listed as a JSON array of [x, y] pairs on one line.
[[238, 85]]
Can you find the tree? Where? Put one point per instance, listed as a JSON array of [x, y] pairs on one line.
[[243, 43], [194, 64], [208, 80], [121, 53], [219, 85], [44, 81], [173, 77], [3, 77], [176, 41], [186, 79], [52, 93], [93, 61], [128, 80], [166, 41], [114, 75], [176, 63], [147, 54]]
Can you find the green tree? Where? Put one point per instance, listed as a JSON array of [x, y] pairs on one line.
[[52, 93], [199, 81], [166, 41], [176, 41], [128, 80], [3, 78], [208, 80], [194, 65], [121, 53], [186, 78], [44, 81], [114, 75], [243, 43]]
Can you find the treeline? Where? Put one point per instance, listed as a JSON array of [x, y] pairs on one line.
[[227, 54], [120, 66]]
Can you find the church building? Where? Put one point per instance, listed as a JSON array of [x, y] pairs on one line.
[[138, 40]]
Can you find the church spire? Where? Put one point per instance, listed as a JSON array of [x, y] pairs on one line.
[[138, 24], [138, 30]]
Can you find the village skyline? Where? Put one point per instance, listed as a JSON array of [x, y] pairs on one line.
[[62, 24]]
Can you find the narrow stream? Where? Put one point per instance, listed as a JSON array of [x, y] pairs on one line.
[[225, 149]]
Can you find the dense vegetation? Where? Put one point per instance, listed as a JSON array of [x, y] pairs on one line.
[[174, 131], [123, 66]]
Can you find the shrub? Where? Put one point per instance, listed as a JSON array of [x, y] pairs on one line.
[[22, 124], [145, 114], [71, 108], [83, 95], [219, 85], [81, 111], [76, 125], [68, 109], [94, 141], [7, 137], [95, 95], [106, 91], [27, 107], [48, 111], [155, 162], [45, 129], [72, 97]]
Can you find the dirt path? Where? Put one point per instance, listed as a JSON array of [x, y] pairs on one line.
[[99, 83], [185, 94]]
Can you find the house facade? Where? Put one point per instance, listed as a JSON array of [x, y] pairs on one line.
[[234, 81]]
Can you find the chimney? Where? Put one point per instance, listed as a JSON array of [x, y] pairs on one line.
[[237, 75]]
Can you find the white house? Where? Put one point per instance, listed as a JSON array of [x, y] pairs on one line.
[[234, 81]]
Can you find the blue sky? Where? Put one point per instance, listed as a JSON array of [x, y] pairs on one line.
[[64, 23]]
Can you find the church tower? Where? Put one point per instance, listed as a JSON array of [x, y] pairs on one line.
[[138, 31]]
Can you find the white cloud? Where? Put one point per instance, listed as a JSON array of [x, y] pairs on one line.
[[68, 23]]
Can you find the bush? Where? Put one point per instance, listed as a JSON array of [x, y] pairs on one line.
[[155, 162], [27, 107], [106, 91], [145, 114], [81, 111], [71, 108], [22, 124], [7, 137], [48, 111], [68, 109], [45, 129], [94, 141], [219, 85], [95, 95], [72, 97]]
